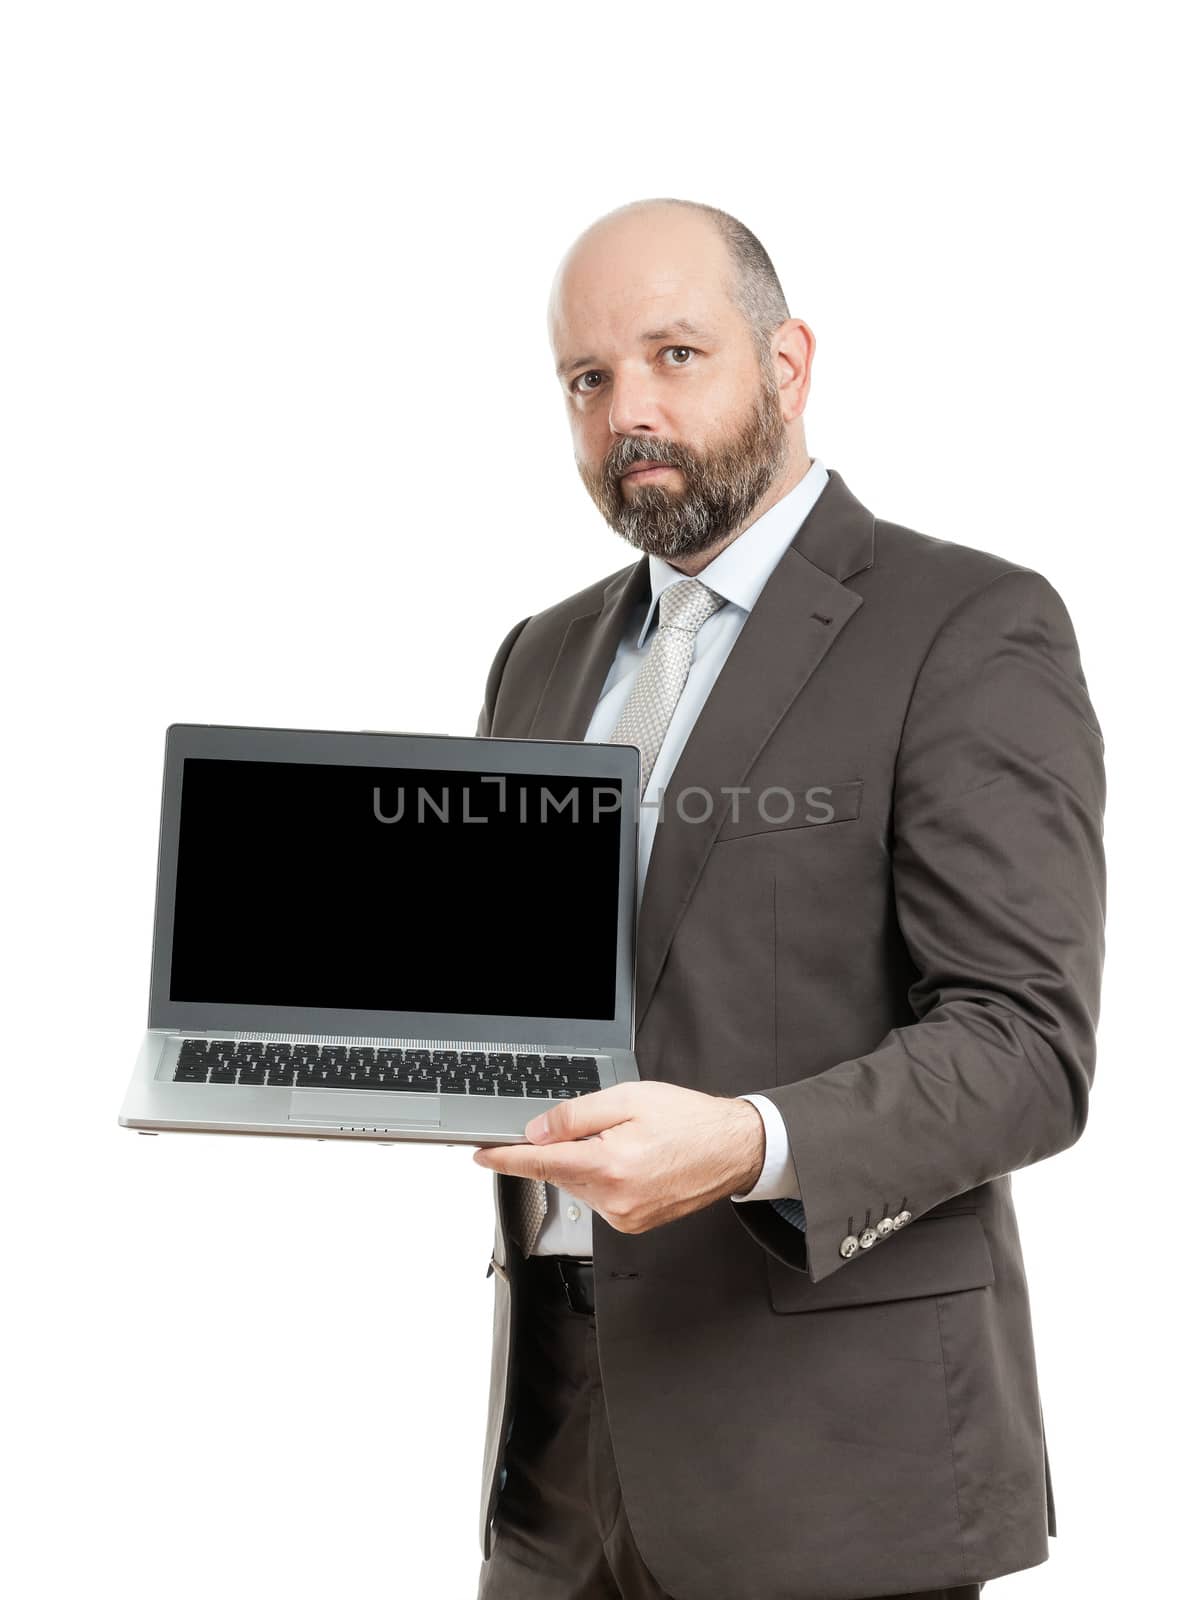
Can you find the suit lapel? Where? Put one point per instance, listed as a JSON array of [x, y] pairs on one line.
[[588, 647], [802, 609]]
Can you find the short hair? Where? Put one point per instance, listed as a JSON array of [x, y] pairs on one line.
[[755, 288]]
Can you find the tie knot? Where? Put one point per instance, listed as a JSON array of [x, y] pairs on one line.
[[687, 606]]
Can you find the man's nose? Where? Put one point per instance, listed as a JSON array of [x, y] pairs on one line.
[[632, 404]]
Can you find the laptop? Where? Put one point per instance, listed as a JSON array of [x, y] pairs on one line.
[[387, 936]]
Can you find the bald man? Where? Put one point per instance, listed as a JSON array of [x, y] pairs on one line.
[[762, 1329]]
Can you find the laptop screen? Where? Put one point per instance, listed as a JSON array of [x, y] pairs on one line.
[[396, 889]]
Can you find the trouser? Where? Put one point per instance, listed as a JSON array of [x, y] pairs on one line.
[[561, 1531]]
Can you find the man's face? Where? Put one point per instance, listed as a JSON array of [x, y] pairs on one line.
[[659, 367]]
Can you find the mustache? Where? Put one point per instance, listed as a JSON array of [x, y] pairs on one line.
[[629, 453]]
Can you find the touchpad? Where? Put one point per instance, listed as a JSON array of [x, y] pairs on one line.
[[370, 1113]]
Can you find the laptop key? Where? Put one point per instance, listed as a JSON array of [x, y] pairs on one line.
[[582, 1077]]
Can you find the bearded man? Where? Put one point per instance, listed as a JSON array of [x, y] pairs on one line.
[[762, 1329]]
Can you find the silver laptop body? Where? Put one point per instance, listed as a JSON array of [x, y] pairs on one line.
[[387, 936]]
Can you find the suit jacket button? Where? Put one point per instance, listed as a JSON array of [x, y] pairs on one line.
[[867, 1238], [901, 1218], [849, 1246], [884, 1226]]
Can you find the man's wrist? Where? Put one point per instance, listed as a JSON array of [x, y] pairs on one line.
[[750, 1144]]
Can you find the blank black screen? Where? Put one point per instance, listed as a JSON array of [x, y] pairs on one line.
[[376, 889]]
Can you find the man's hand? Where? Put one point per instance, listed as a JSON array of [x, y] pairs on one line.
[[641, 1154]]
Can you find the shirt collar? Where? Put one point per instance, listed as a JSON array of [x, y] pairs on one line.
[[741, 570]]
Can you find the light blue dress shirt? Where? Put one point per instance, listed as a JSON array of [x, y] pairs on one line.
[[739, 574]]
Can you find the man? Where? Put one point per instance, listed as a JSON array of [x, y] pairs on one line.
[[762, 1329]]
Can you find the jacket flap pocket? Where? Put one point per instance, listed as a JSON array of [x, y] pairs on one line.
[[933, 1255], [777, 808]]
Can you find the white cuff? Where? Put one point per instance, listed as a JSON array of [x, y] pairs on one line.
[[777, 1180]]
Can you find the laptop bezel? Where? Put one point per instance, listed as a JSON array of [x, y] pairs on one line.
[[481, 753]]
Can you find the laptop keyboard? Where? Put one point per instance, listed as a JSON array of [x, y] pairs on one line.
[[339, 1066]]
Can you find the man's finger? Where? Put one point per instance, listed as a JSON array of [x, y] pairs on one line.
[[555, 1163], [579, 1117]]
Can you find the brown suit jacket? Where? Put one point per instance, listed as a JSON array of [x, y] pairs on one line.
[[915, 983]]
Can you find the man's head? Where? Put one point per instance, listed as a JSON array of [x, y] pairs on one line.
[[674, 347]]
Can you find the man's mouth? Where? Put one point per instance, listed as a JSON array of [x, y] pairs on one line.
[[646, 470]]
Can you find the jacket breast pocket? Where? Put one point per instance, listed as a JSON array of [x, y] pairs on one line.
[[930, 1256], [778, 808]]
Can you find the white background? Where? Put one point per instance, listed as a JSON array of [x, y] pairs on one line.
[[282, 445]]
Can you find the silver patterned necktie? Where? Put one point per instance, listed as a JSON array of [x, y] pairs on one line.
[[683, 609]]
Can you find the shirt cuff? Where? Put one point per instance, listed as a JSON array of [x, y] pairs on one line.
[[777, 1180]]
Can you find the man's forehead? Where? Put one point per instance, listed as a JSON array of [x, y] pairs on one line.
[[665, 305]]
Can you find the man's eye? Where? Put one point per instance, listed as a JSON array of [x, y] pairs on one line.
[[580, 385]]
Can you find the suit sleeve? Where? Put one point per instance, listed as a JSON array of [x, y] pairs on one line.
[[998, 874], [487, 711]]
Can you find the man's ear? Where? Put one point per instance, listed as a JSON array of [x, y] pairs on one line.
[[793, 347]]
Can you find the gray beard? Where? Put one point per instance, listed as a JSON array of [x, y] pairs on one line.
[[721, 489]]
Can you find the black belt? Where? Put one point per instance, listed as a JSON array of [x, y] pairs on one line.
[[568, 1277]]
